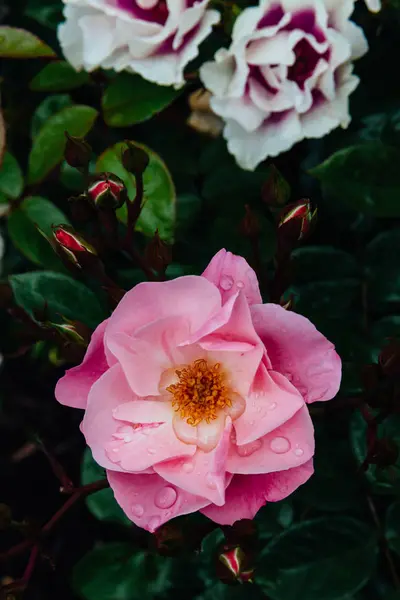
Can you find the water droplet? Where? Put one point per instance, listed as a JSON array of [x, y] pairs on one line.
[[210, 481], [166, 497], [280, 445], [299, 452], [154, 523], [151, 450], [137, 510], [272, 406], [127, 438], [249, 449], [115, 449], [240, 284], [188, 467], [226, 282]]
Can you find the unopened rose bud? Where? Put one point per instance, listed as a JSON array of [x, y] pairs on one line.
[[275, 190], [234, 565], [106, 190], [135, 159], [71, 331], [72, 244], [297, 220], [250, 225], [158, 254], [77, 152]]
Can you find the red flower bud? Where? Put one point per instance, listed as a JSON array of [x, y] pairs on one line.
[[71, 331], [234, 565], [107, 191], [297, 220], [77, 152], [71, 243]]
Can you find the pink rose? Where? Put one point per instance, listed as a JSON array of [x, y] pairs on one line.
[[195, 396]]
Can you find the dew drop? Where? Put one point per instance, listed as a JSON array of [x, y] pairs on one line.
[[272, 406], [188, 467], [154, 523], [280, 445], [299, 452], [240, 284], [127, 438], [249, 449], [226, 282], [115, 449], [137, 510], [210, 482], [151, 450], [166, 497]]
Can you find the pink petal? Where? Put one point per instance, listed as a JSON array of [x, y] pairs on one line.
[[272, 401], [248, 493], [285, 447], [149, 501], [204, 474], [231, 273], [191, 297], [119, 446], [298, 351], [73, 389]]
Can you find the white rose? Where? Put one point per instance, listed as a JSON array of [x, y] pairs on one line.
[[373, 5], [286, 76], [156, 38]]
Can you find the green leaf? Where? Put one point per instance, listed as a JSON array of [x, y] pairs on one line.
[[45, 12], [383, 481], [364, 177], [36, 211], [18, 43], [51, 105], [58, 76], [101, 504], [319, 263], [327, 558], [48, 147], [325, 297], [159, 210], [116, 571], [62, 295], [381, 332], [381, 260], [130, 99], [11, 177], [392, 527]]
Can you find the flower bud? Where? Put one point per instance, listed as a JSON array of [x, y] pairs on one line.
[[71, 244], [135, 159], [234, 565], [158, 254], [275, 190], [250, 225], [77, 152], [71, 331], [297, 220], [106, 190]]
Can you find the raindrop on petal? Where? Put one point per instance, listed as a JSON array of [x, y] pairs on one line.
[[299, 452], [280, 445], [226, 282], [166, 497], [188, 467], [137, 510], [249, 449]]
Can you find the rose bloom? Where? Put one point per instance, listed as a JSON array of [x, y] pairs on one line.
[[286, 76], [195, 396], [156, 38]]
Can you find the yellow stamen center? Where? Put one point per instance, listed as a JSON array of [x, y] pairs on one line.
[[200, 393]]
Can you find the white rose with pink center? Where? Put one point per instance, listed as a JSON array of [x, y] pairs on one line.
[[286, 76], [155, 38]]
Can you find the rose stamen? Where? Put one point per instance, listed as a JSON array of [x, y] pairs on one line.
[[200, 393]]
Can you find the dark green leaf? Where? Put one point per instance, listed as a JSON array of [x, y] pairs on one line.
[[11, 177], [392, 527], [365, 178], [325, 297], [381, 258], [130, 99], [62, 295], [319, 263], [58, 76], [102, 504], [159, 210], [45, 12], [18, 43], [383, 481], [48, 147], [116, 571], [36, 211], [325, 558]]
